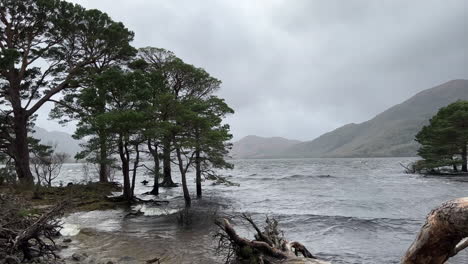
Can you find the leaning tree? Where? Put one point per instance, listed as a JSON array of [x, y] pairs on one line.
[[44, 46]]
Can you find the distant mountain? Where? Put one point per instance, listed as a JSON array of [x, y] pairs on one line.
[[251, 147], [64, 141], [390, 133]]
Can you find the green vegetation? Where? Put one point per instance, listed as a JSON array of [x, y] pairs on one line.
[[45, 47], [80, 197], [444, 140], [128, 102]]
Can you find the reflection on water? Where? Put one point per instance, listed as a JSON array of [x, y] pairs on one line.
[[344, 210]]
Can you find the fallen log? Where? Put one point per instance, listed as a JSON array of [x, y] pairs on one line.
[[442, 236], [24, 235], [268, 246]]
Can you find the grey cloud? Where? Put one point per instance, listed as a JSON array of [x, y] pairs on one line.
[[298, 68]]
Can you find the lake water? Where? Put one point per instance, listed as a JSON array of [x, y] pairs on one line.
[[343, 210]]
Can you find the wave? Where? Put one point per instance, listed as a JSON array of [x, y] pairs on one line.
[[294, 177], [337, 224], [302, 177]]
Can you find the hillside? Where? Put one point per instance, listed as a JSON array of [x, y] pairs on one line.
[[260, 147], [64, 141], [390, 133]]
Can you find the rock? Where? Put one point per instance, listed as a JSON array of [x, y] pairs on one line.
[[78, 257], [67, 240]]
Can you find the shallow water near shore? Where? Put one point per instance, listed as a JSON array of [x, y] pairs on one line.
[[343, 210]]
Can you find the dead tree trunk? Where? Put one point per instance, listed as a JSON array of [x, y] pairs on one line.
[[268, 246], [442, 236], [27, 236]]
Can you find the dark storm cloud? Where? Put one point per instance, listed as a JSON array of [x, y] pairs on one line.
[[299, 68]]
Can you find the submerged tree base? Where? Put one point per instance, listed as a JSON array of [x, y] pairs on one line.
[[168, 185], [427, 168]]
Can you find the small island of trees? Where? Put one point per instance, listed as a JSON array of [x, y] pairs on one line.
[[444, 142]]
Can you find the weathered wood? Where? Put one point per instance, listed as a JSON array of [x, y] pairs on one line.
[[442, 236], [270, 246]]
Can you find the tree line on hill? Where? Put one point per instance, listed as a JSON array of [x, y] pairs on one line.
[[127, 102]]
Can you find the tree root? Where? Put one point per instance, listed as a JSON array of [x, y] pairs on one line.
[[28, 236], [268, 246]]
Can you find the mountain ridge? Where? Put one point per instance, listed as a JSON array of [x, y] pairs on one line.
[[388, 134], [254, 146]]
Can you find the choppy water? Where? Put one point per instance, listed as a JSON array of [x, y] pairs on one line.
[[343, 210]]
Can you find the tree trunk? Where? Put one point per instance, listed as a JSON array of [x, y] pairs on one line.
[[154, 153], [103, 166], [21, 148], [125, 170], [440, 237], [183, 171], [464, 159], [198, 173], [135, 167], [167, 177], [155, 190], [455, 168]]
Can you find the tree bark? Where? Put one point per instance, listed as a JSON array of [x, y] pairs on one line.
[[21, 148], [135, 167], [183, 172], [154, 153], [103, 166], [198, 173], [167, 177], [464, 158], [123, 152], [440, 237]]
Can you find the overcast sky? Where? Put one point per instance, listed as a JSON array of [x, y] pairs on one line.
[[299, 68]]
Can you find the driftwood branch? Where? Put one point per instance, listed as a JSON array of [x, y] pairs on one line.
[[37, 227], [442, 236], [27, 236], [268, 246], [461, 246]]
